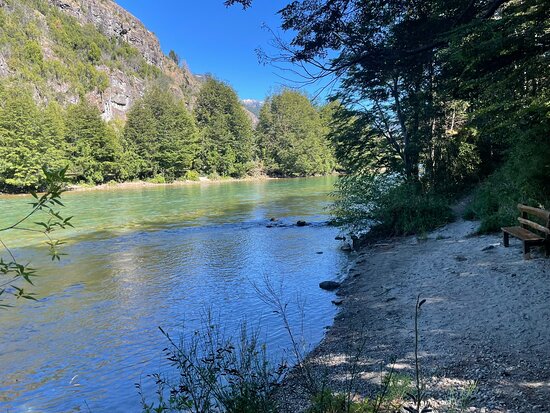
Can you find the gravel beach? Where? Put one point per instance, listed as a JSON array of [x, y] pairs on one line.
[[485, 324]]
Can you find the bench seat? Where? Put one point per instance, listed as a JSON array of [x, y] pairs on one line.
[[523, 234], [541, 236]]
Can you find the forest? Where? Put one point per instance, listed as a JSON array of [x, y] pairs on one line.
[[54, 71], [162, 140]]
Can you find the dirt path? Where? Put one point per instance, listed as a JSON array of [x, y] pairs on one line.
[[486, 320]]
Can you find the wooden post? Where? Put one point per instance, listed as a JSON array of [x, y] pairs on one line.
[[526, 251], [506, 239]]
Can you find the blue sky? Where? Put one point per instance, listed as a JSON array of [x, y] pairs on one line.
[[214, 39]]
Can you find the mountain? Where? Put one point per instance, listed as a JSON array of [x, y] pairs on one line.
[[253, 106], [66, 50]]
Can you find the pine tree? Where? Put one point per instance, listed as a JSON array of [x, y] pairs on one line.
[[92, 148], [22, 143]]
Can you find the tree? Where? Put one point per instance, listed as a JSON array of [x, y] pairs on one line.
[[292, 137], [225, 131], [92, 147], [174, 57], [163, 135], [29, 140], [439, 92]]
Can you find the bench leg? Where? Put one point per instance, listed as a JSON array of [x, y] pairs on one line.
[[526, 251], [506, 239]]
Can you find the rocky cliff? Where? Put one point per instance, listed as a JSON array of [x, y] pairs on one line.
[[93, 49]]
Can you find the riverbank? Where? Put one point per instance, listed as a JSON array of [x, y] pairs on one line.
[[147, 184], [111, 186], [484, 324]]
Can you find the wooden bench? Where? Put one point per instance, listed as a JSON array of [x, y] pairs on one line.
[[538, 233]]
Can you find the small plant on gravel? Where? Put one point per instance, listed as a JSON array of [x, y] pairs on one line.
[[459, 399], [394, 388]]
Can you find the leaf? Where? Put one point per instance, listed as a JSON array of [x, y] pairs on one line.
[[43, 224]]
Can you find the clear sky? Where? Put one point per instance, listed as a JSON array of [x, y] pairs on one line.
[[218, 40]]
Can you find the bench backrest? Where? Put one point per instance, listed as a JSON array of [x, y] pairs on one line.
[[543, 216]]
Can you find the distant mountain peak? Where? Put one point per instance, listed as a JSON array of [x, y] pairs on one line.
[[253, 105]]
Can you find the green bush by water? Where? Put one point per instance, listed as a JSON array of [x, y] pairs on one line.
[[388, 204]]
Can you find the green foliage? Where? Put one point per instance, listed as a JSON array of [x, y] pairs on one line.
[[163, 134], [292, 136], [388, 204], [393, 390], [93, 148], [225, 131], [174, 57], [191, 176], [157, 179], [216, 373], [29, 140], [12, 272], [524, 176]]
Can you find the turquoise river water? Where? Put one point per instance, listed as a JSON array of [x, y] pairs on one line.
[[159, 256]]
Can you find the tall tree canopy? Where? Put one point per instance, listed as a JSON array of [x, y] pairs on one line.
[[292, 137], [161, 135], [441, 92], [30, 139], [93, 147], [225, 129]]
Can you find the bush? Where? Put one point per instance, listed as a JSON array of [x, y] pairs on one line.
[[405, 210], [388, 204], [157, 179], [217, 374], [191, 176], [495, 201], [214, 176], [390, 398]]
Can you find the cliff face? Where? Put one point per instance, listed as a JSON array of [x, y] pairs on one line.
[[90, 48], [115, 22]]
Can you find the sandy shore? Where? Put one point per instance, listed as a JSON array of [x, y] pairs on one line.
[[145, 184], [486, 321]]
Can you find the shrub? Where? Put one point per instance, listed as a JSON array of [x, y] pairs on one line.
[[404, 210], [191, 176], [388, 204], [157, 179], [390, 398], [217, 374]]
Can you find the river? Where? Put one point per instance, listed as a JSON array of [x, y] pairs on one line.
[[146, 257]]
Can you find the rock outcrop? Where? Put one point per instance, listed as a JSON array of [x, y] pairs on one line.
[[124, 84], [115, 22]]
